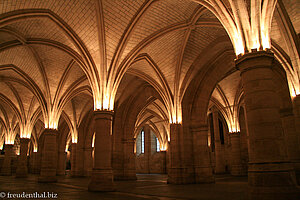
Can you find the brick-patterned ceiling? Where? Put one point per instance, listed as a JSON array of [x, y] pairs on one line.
[[48, 47]]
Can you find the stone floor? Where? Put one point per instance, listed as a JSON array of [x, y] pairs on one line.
[[152, 186]]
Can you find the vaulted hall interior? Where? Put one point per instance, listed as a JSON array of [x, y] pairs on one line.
[[150, 98]]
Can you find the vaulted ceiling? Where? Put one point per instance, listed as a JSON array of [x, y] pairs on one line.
[[51, 50]]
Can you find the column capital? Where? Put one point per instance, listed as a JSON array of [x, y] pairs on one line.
[[259, 59], [103, 114], [233, 134], [50, 131], [175, 124], [24, 140], [9, 146]]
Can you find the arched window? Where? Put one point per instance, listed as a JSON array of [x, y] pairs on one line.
[[142, 141]]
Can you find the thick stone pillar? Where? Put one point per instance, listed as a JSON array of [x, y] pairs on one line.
[[219, 154], [88, 164], [202, 163], [164, 160], [6, 166], [49, 157], [33, 163], [236, 159], [22, 170], [147, 148], [291, 138], [176, 171], [61, 162], [270, 175], [73, 159], [129, 160], [296, 105], [39, 161], [102, 175], [79, 161]]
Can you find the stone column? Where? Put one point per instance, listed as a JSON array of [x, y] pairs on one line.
[[88, 164], [61, 162], [38, 161], [296, 105], [236, 162], [79, 161], [129, 160], [147, 146], [219, 154], [33, 163], [22, 170], [6, 166], [270, 175], [164, 160], [202, 163], [49, 157], [176, 171], [102, 175], [73, 159]]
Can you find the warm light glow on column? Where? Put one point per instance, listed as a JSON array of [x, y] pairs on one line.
[[93, 141], [1, 142], [104, 102], [35, 149], [248, 23], [163, 147], [52, 121], [25, 135], [9, 138], [238, 44], [25, 131], [294, 91], [233, 126], [67, 147], [176, 115], [74, 136]]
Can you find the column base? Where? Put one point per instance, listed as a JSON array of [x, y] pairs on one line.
[[204, 175], [22, 172], [178, 176], [272, 181], [101, 181]]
